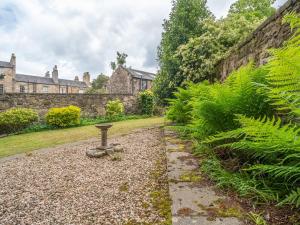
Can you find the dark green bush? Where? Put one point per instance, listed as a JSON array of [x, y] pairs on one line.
[[146, 102], [63, 117], [16, 119]]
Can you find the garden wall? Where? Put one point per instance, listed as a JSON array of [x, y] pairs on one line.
[[270, 34], [90, 104]]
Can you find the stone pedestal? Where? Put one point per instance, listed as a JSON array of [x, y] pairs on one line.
[[104, 149]]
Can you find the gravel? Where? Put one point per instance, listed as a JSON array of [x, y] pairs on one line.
[[63, 186]]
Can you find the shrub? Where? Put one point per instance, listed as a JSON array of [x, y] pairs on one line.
[[63, 117], [114, 108], [16, 119], [146, 102]]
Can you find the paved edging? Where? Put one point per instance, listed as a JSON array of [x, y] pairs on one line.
[[191, 201]]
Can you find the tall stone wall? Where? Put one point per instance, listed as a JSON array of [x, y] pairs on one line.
[[90, 104], [270, 34]]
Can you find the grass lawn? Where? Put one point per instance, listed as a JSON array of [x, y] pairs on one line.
[[22, 143]]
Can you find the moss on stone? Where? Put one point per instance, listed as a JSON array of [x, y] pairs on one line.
[[160, 198], [223, 211], [191, 176]]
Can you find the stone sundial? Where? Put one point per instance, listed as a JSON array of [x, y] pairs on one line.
[[104, 149]]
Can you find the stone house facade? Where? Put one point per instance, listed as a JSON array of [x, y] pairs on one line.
[[12, 82], [129, 81]]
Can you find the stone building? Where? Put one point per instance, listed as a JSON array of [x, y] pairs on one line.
[[129, 81], [12, 82]]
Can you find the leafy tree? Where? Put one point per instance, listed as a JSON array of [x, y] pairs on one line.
[[183, 24], [121, 60], [98, 84], [198, 58], [100, 81], [252, 8], [113, 65]]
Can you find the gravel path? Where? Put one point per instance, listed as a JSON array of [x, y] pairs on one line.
[[63, 186]]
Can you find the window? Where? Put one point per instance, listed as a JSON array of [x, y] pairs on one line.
[[45, 89], [144, 84], [62, 90], [1, 89], [81, 91], [22, 89], [34, 88]]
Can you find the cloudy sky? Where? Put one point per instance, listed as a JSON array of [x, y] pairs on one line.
[[84, 35]]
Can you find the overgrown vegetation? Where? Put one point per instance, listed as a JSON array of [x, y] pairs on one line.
[[248, 126], [193, 40]]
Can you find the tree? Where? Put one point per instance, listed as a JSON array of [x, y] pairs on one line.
[[98, 84], [121, 60], [198, 58], [113, 65], [257, 9], [183, 24]]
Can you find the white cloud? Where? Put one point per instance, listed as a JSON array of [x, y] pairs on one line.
[[81, 35], [84, 35]]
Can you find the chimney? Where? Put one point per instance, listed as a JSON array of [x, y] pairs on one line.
[[87, 78], [13, 59], [13, 63], [47, 74], [55, 74], [76, 78]]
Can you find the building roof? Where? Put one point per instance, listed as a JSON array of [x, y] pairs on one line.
[[5, 64], [48, 80], [141, 74]]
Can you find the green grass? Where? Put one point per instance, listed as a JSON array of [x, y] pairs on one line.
[[23, 143]]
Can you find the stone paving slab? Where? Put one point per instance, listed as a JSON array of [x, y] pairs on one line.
[[191, 201], [203, 221], [180, 163]]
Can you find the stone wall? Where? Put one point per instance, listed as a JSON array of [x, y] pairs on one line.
[[90, 104], [120, 82], [271, 34]]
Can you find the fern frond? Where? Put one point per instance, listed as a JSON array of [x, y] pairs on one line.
[[284, 75], [260, 138], [292, 198], [288, 173]]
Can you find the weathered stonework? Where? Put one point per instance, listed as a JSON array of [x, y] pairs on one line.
[[90, 104], [270, 34], [12, 82], [129, 81]]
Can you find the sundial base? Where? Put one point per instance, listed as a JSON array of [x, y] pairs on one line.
[[104, 150]]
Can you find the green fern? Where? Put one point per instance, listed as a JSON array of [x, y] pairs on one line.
[[292, 198], [290, 174], [260, 138], [284, 76]]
